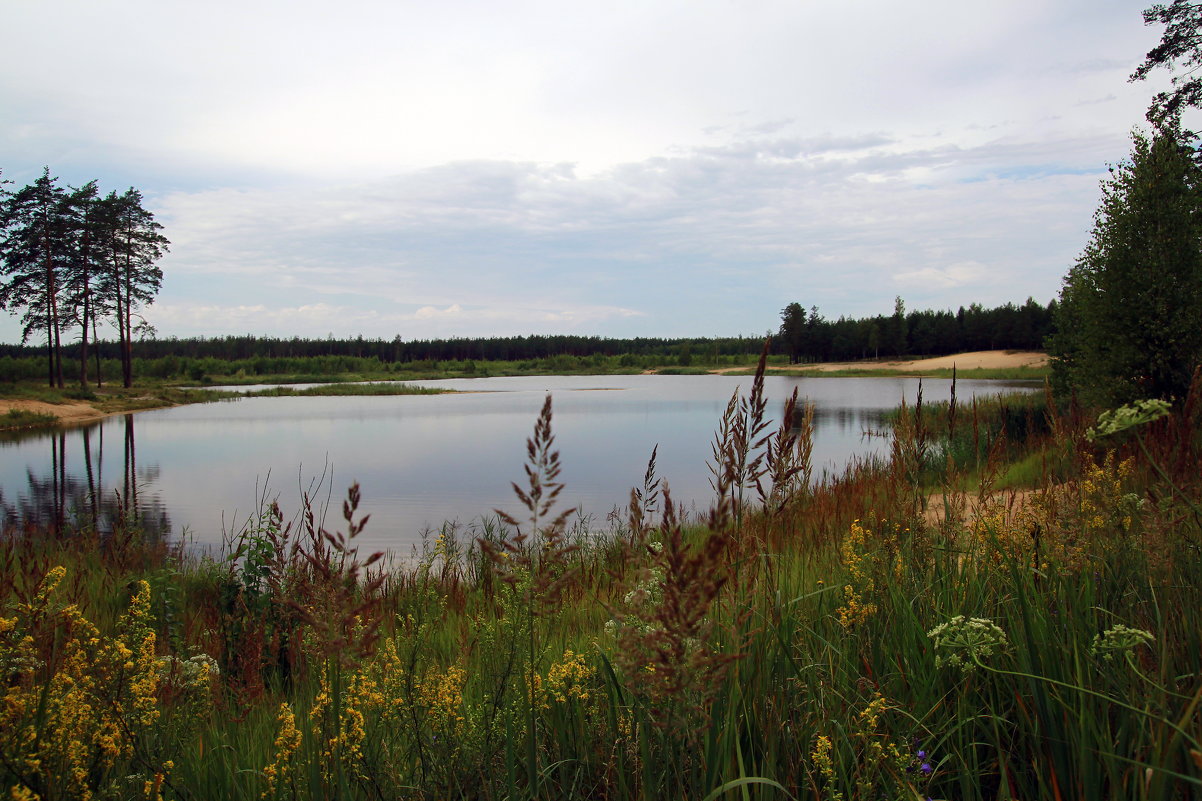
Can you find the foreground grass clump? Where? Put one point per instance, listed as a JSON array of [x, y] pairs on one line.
[[19, 418], [808, 638]]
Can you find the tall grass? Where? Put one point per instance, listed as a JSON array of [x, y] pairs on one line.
[[811, 637]]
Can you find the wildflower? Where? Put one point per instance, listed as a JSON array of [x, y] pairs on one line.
[[1119, 640], [859, 562], [967, 642], [1128, 416], [442, 696], [569, 678], [826, 765], [287, 741]]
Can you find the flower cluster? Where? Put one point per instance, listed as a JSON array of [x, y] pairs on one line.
[[859, 563], [1119, 641], [338, 723], [570, 678], [287, 743], [965, 642], [76, 706], [826, 765], [878, 763], [441, 695], [1129, 416], [1103, 503], [641, 600]]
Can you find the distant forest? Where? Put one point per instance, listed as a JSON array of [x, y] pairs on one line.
[[804, 337], [810, 337]]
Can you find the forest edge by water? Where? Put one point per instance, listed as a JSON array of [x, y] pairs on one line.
[[22, 406]]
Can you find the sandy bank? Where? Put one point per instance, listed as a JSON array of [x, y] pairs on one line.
[[68, 413], [987, 359]]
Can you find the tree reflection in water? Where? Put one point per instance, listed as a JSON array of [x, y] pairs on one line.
[[74, 494]]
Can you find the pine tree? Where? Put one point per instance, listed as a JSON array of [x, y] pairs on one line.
[[133, 245], [83, 268], [37, 239], [792, 333]]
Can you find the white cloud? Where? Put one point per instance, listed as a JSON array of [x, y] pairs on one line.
[[183, 318], [968, 273], [427, 312]]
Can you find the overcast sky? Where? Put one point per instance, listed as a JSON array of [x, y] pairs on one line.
[[658, 167]]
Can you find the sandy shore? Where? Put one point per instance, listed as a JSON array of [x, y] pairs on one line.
[[988, 359], [68, 413]]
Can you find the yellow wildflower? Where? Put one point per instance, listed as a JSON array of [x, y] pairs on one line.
[[287, 742]]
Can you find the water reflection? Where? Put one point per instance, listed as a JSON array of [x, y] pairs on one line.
[[865, 422], [77, 488], [420, 460]]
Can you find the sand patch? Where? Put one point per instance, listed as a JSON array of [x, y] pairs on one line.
[[68, 413], [981, 359]]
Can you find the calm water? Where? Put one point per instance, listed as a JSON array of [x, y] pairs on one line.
[[421, 460]]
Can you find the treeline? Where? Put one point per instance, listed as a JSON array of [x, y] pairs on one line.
[[72, 260], [802, 338], [810, 337], [287, 354]]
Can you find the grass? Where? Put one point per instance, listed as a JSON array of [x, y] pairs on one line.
[[390, 388], [20, 418], [684, 371], [807, 638]]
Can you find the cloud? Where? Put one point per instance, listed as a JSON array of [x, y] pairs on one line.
[[968, 273], [317, 319], [740, 227], [428, 312], [1107, 98]]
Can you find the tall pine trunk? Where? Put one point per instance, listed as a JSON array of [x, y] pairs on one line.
[[87, 308], [53, 345], [127, 353], [83, 335], [96, 339]]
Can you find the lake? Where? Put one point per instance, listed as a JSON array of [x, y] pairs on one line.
[[201, 470]]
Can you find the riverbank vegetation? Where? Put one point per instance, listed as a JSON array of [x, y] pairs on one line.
[[810, 637], [248, 359]]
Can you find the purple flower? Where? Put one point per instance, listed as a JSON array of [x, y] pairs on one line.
[[926, 768]]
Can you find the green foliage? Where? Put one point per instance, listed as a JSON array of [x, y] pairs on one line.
[[1178, 46], [792, 333], [72, 259], [1130, 314], [19, 418]]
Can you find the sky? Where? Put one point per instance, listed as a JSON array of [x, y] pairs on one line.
[[629, 168]]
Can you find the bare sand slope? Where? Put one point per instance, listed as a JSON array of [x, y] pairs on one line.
[[69, 413], [989, 359]]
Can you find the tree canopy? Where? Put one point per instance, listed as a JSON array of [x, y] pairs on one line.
[[69, 259], [1180, 47], [1130, 315]]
